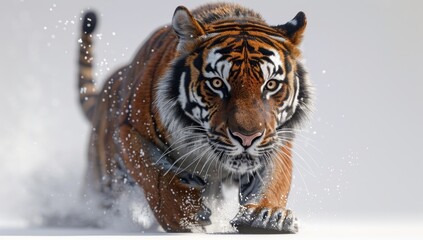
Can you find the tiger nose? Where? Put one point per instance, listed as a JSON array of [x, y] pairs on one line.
[[246, 140]]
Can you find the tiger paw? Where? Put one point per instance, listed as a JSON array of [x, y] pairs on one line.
[[203, 216], [256, 220]]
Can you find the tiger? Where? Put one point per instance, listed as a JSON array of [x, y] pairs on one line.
[[211, 100]]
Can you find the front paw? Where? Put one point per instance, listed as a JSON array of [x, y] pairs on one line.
[[262, 220]]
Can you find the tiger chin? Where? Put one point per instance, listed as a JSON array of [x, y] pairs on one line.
[[212, 99]]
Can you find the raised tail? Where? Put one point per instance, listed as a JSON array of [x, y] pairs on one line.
[[87, 92]]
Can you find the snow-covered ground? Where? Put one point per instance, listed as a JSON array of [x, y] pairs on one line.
[[357, 165], [380, 229]]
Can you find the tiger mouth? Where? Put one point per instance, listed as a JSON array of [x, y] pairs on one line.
[[242, 163]]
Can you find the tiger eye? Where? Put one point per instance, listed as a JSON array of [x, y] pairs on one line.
[[217, 83], [271, 85]]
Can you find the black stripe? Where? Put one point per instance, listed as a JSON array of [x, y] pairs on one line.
[[85, 64], [90, 21], [265, 52]]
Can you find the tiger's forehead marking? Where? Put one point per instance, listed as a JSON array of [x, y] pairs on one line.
[[239, 55]]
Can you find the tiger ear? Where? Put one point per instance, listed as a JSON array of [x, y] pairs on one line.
[[185, 26], [294, 29]]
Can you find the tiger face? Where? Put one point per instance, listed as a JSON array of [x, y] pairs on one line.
[[240, 84]]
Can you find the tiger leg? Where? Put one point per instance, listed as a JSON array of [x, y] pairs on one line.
[[105, 178], [263, 198], [174, 198]]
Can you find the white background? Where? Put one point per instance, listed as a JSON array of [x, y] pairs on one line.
[[359, 159]]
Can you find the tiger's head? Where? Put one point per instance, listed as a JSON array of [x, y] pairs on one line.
[[236, 89]]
